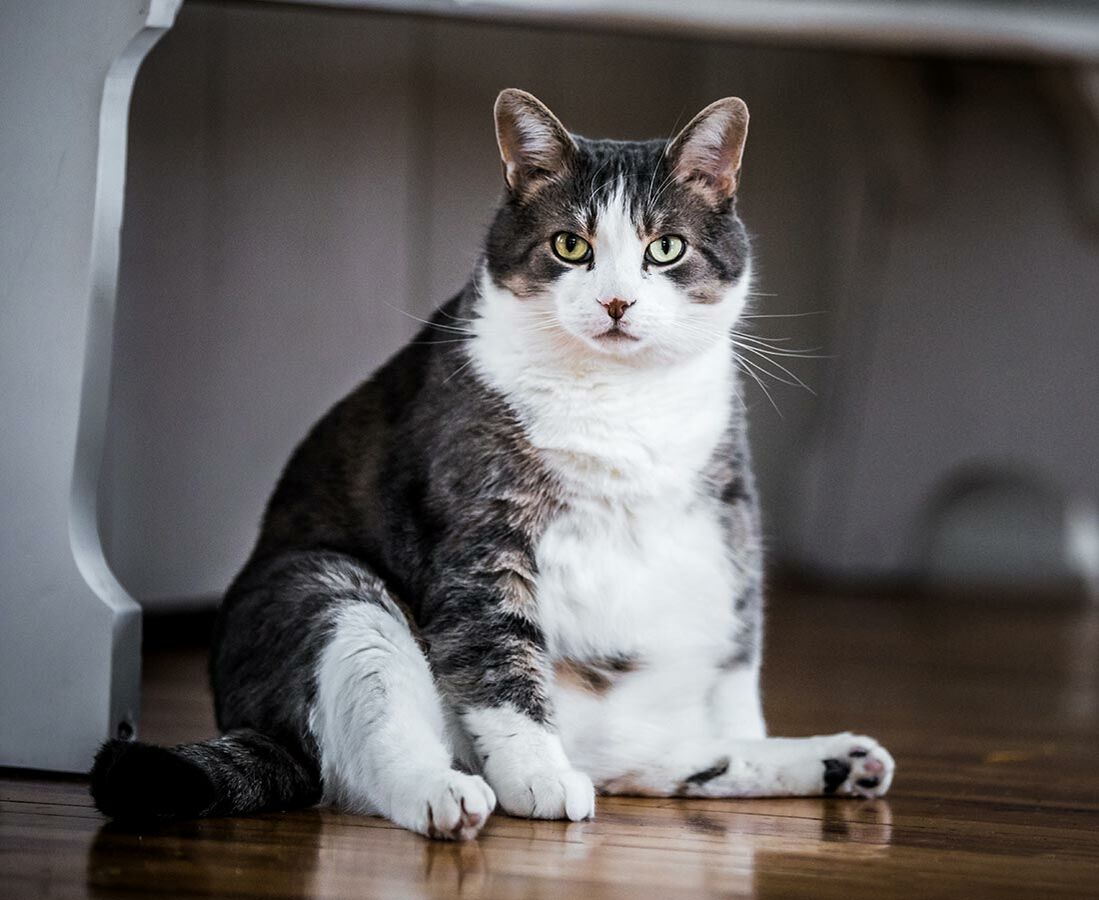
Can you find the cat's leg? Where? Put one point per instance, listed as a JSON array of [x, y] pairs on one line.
[[744, 762], [488, 653], [526, 764], [381, 731], [846, 765], [313, 652]]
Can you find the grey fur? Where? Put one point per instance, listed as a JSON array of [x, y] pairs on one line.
[[731, 482]]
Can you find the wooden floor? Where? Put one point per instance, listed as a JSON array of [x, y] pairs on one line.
[[991, 712]]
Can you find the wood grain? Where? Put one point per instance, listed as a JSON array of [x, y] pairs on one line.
[[991, 711]]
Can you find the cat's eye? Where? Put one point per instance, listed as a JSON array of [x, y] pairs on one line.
[[666, 250], [570, 248]]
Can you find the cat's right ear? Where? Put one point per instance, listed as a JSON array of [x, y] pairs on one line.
[[535, 148]]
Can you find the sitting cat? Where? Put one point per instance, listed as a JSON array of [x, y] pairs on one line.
[[521, 564]]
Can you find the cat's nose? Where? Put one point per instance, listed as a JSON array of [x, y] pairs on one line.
[[616, 307]]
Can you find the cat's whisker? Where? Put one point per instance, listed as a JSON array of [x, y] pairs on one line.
[[457, 318], [762, 344], [705, 336], [792, 354], [762, 340], [774, 376], [762, 386], [770, 340], [814, 312], [763, 352], [796, 381], [460, 368], [445, 329], [544, 321], [441, 326]]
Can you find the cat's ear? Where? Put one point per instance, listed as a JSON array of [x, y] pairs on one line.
[[534, 146], [707, 153]]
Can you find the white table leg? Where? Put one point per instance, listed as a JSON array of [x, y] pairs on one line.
[[70, 636]]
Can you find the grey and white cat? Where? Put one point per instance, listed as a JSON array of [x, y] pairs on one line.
[[521, 564]]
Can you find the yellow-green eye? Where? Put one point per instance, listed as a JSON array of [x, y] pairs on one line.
[[570, 248], [666, 250]]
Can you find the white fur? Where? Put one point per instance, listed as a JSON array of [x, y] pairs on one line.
[[528, 767], [769, 767], [379, 724]]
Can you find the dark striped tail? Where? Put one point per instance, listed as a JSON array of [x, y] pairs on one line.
[[240, 772]]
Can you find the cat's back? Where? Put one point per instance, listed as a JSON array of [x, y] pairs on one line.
[[331, 492]]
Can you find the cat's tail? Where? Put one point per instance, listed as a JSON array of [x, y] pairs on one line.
[[240, 772]]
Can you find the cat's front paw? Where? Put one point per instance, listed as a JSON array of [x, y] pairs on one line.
[[545, 793], [451, 807], [857, 766]]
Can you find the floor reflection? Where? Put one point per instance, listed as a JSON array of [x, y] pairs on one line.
[[731, 848], [273, 855]]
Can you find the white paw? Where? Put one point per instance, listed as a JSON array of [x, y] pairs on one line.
[[452, 807], [547, 794], [857, 766]]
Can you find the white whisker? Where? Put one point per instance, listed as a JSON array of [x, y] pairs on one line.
[[815, 312], [451, 329], [769, 349], [763, 388], [796, 381], [463, 366]]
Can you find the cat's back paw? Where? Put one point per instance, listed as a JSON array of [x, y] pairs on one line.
[[857, 766]]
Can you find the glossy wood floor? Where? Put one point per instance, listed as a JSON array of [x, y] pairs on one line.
[[992, 713]]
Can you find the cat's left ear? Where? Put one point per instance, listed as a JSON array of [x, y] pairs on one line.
[[534, 145], [707, 153]]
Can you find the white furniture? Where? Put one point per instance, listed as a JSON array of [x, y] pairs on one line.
[[70, 636]]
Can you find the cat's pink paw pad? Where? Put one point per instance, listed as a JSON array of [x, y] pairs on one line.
[[864, 769]]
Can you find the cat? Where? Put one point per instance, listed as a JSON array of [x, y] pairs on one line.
[[522, 563]]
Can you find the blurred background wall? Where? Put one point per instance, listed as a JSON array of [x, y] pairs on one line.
[[303, 182]]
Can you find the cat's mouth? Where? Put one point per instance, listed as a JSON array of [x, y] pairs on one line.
[[615, 334]]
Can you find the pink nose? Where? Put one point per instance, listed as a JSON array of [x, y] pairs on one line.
[[616, 308]]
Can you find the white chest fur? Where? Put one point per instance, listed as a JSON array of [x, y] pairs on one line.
[[637, 564], [650, 581]]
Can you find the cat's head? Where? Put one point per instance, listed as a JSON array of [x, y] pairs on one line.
[[622, 249]]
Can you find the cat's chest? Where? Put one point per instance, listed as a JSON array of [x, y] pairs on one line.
[[624, 441], [646, 581], [636, 562]]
